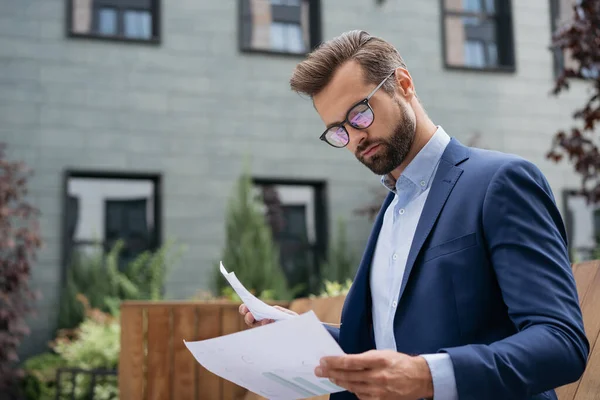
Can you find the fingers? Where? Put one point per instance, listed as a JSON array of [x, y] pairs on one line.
[[249, 318], [348, 376], [367, 360], [285, 310]]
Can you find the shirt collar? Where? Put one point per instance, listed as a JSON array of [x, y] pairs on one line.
[[421, 169]]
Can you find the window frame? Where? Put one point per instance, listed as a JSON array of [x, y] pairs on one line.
[[321, 214], [314, 31], [503, 43], [68, 173], [558, 56], [120, 6], [569, 220]]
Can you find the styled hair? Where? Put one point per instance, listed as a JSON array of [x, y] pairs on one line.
[[376, 57]]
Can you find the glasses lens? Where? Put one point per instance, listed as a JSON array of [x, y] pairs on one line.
[[337, 136], [361, 116]]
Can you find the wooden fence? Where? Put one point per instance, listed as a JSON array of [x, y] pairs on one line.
[[587, 277], [155, 364]]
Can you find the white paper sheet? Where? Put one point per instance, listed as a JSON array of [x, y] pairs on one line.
[[276, 361], [259, 309]]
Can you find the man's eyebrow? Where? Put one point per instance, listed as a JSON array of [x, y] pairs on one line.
[[331, 125]]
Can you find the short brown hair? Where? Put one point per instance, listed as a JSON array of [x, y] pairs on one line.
[[376, 56]]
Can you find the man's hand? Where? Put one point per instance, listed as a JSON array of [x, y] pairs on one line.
[[379, 374], [252, 323]]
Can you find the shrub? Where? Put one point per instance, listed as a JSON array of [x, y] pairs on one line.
[[99, 279], [19, 241], [94, 344], [334, 289], [341, 262], [250, 250]]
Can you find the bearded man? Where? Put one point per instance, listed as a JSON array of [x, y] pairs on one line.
[[465, 289]]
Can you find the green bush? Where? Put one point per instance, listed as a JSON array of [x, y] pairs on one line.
[[334, 289], [341, 263], [250, 250], [95, 344], [40, 376], [101, 281]]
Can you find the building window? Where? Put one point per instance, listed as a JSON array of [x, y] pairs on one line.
[[100, 209], [279, 26], [132, 20], [478, 34], [296, 214], [582, 221]]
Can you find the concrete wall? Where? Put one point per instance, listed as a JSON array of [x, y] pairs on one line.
[[193, 107]]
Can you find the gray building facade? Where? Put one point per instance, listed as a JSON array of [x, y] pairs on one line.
[[138, 115]]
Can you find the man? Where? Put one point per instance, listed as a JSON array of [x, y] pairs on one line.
[[465, 289]]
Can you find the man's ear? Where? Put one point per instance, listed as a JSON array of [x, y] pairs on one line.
[[404, 83]]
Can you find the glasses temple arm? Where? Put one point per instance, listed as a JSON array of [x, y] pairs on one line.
[[380, 85]]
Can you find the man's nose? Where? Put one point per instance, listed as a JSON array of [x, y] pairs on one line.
[[357, 136]]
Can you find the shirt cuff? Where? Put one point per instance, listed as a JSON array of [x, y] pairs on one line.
[[442, 373]]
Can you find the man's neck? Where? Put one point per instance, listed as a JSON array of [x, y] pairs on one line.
[[423, 134]]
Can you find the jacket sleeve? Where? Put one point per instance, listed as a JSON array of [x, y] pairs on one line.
[[335, 332], [526, 241]]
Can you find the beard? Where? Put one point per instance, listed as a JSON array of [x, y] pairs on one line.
[[393, 151]]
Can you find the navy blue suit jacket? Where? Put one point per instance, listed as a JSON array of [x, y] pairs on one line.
[[488, 280]]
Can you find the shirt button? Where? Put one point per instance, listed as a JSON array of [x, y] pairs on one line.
[[395, 256], [394, 304], [423, 183], [401, 211]]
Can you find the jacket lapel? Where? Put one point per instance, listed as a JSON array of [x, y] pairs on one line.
[[356, 336], [445, 178]]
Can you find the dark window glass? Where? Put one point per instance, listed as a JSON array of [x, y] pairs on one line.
[[100, 210], [279, 26], [107, 21], [478, 34], [295, 214], [115, 19]]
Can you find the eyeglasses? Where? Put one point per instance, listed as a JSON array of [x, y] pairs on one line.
[[360, 116]]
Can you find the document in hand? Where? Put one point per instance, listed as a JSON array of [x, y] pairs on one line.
[[257, 307], [276, 361]]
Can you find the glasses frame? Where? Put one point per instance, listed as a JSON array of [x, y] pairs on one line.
[[341, 124]]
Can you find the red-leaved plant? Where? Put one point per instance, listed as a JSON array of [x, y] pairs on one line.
[[579, 38], [19, 241]]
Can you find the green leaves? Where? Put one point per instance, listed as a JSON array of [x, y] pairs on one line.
[[341, 264], [94, 344], [99, 278], [250, 250]]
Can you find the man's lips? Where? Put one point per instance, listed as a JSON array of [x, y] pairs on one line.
[[369, 151]]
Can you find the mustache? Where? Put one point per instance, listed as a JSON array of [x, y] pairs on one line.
[[365, 145]]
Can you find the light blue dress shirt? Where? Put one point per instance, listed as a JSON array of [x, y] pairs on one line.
[[391, 252]]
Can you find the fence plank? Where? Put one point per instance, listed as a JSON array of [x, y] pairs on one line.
[[584, 275], [591, 320], [131, 357], [184, 363], [209, 326], [590, 382], [589, 299], [159, 383]]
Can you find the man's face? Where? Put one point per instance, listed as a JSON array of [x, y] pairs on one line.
[[384, 145]]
